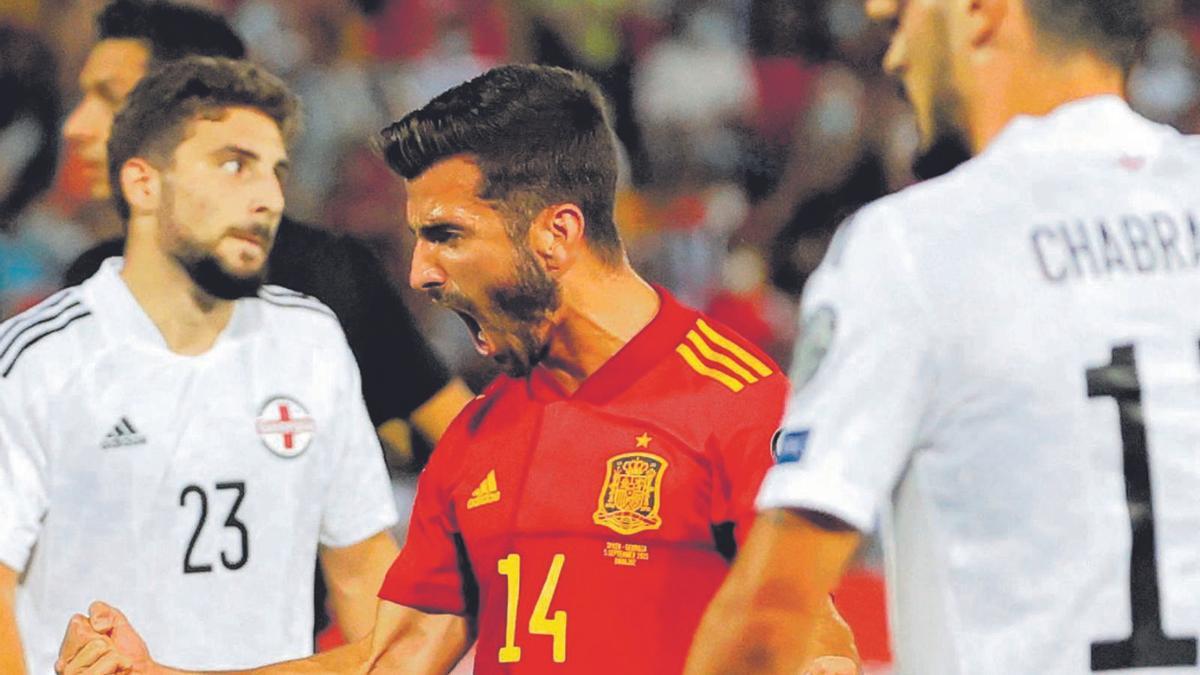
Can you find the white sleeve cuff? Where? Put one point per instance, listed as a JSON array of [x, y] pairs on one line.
[[789, 486], [14, 555], [348, 534]]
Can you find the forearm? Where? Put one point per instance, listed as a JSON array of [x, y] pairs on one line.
[[11, 654], [354, 609], [349, 659], [345, 660], [413, 643], [772, 613], [740, 635], [353, 575]]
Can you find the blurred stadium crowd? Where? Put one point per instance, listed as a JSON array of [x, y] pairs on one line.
[[751, 128]]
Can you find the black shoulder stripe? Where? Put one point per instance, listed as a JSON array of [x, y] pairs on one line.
[[297, 303], [41, 319], [39, 337], [281, 292], [288, 295], [20, 322]]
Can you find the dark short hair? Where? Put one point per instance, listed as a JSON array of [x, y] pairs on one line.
[[28, 92], [158, 110], [540, 135], [1114, 29], [171, 31]]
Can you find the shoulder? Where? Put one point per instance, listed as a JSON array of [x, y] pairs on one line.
[[931, 202], [482, 409], [296, 315], [49, 332], [716, 364], [90, 260], [478, 418], [281, 302], [891, 236]]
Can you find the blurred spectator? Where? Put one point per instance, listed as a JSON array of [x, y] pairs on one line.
[[673, 105], [1163, 86], [35, 242]]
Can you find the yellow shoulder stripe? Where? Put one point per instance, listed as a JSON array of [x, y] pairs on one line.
[[694, 361], [713, 355], [732, 347]]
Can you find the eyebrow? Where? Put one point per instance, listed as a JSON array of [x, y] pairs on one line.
[[102, 87], [244, 153], [424, 229]]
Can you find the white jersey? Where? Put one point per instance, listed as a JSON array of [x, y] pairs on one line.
[[189, 491], [1004, 365]]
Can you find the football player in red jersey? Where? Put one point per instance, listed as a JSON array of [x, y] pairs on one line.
[[580, 514]]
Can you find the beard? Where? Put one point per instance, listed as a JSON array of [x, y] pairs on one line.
[[525, 304], [201, 262], [946, 145], [212, 277], [517, 309], [207, 272]]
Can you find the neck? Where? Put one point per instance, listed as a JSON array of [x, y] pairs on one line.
[[602, 310], [189, 319], [1036, 86]]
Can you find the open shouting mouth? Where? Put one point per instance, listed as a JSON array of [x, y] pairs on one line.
[[479, 337]]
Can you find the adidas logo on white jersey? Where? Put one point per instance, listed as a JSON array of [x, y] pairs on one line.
[[122, 434]]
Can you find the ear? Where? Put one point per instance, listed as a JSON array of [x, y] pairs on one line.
[[984, 18], [141, 184], [556, 236]]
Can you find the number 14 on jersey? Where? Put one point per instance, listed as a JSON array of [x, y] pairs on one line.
[[539, 622]]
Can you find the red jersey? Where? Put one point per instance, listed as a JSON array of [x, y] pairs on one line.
[[587, 532]]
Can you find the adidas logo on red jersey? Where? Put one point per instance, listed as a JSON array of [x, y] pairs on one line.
[[486, 493]]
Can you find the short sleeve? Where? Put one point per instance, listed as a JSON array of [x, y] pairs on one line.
[[358, 501], [745, 456], [862, 379], [430, 574], [23, 487]]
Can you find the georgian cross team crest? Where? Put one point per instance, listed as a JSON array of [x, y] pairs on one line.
[[285, 427], [630, 499]]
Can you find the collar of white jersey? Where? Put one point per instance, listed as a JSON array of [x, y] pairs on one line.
[[125, 319], [1095, 121]]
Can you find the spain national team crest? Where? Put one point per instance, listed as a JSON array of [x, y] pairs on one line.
[[285, 427], [631, 497]]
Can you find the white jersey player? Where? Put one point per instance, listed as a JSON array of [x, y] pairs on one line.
[[174, 434], [1003, 366], [194, 489], [1016, 380]]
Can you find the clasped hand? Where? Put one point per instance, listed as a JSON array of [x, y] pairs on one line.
[[102, 643]]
